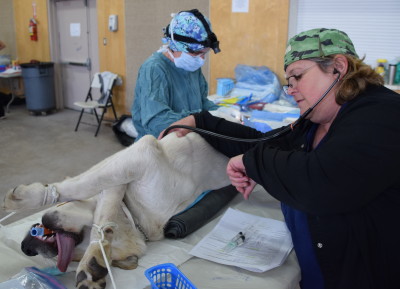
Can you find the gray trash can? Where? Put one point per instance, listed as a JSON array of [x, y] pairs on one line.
[[39, 86]]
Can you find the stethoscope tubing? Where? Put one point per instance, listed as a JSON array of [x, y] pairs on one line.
[[276, 135]]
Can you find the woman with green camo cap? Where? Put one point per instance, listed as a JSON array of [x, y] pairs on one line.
[[170, 84], [335, 172]]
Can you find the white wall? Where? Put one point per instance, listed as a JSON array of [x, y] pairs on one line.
[[372, 25]]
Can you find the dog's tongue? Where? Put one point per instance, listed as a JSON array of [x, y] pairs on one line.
[[66, 247]]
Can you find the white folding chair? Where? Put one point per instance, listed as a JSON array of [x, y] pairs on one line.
[[105, 82]]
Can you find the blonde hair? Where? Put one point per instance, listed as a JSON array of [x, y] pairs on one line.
[[358, 76]]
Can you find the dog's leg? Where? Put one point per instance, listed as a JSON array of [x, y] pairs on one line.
[[117, 237], [178, 164], [120, 168]]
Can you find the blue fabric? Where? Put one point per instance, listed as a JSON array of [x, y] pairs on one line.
[[165, 94], [194, 202], [297, 223], [275, 116]]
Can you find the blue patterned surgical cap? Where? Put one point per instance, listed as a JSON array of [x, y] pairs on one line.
[[186, 24]]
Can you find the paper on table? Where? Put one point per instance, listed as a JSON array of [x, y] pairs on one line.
[[266, 246]]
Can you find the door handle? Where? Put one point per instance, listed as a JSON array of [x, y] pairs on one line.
[[77, 63], [86, 64]]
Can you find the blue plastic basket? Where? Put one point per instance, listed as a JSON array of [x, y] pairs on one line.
[[167, 276]]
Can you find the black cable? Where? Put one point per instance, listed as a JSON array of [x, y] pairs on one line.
[[280, 133], [210, 133]]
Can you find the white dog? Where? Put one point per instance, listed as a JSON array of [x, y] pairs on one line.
[[153, 179]]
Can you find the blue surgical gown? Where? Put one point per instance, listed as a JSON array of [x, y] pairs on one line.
[[165, 94]]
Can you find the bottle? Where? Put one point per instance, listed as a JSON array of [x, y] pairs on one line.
[[381, 67], [397, 76], [392, 74]]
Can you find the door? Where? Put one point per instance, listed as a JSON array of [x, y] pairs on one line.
[[77, 25]]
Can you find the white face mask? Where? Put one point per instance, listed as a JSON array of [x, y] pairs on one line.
[[187, 61]]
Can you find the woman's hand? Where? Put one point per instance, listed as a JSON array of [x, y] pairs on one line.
[[237, 174], [187, 121]]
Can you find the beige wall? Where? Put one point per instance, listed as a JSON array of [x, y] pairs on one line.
[[7, 29], [27, 49], [112, 56], [144, 21], [139, 35], [255, 38]]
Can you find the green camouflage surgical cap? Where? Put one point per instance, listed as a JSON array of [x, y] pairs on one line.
[[318, 42]]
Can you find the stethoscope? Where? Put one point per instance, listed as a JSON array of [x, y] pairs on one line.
[[276, 135]]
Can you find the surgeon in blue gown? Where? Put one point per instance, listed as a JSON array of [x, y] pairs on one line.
[[170, 83]]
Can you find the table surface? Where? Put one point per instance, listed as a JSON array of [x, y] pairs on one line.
[[203, 273], [10, 73]]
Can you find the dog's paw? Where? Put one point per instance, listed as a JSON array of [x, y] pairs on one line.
[[93, 277], [25, 197], [92, 269]]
